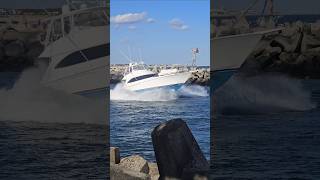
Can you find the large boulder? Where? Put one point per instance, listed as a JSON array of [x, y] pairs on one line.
[[15, 49], [289, 31], [153, 171], [315, 29], [34, 50], [177, 152], [288, 57], [135, 163], [119, 173], [309, 42], [287, 44]]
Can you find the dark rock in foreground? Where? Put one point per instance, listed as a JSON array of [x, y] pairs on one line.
[[177, 153]]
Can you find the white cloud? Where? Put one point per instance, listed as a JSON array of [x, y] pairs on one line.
[[132, 27], [150, 20], [128, 18], [178, 24]]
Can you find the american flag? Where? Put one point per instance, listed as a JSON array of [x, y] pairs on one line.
[[195, 50]]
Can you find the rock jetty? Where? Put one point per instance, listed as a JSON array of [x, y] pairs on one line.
[[200, 77], [295, 51], [15, 55], [132, 167], [178, 156]]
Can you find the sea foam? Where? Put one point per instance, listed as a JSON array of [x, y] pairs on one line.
[[261, 95], [119, 93]]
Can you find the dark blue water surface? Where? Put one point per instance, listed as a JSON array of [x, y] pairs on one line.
[[133, 121], [42, 150], [33, 150], [281, 145]]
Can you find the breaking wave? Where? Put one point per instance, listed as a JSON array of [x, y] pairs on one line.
[[261, 95], [119, 93]]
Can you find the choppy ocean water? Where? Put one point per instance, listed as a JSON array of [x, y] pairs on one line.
[[47, 134], [33, 150], [134, 115], [281, 141]]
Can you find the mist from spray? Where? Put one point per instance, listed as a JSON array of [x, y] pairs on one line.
[[120, 93], [262, 95], [28, 100]]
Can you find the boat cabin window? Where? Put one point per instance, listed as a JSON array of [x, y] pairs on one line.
[[93, 18], [141, 77], [84, 55], [72, 59]]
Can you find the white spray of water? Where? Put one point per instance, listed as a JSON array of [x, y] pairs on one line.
[[28, 100], [119, 93], [193, 91], [261, 95]]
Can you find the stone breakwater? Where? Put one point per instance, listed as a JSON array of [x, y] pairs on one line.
[[133, 166], [294, 51], [198, 77], [178, 156], [15, 55]]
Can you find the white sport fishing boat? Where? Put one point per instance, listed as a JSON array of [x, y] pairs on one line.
[[76, 57], [137, 77]]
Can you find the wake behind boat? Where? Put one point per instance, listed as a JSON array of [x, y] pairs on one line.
[[137, 77]]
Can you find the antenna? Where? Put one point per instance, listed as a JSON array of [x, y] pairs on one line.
[[128, 58], [129, 50], [140, 56]]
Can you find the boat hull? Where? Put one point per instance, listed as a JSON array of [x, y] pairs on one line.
[[79, 82], [171, 81], [231, 52]]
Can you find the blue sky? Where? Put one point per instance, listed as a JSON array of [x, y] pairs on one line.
[[163, 31]]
